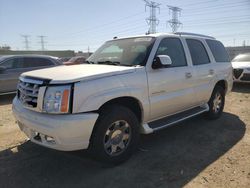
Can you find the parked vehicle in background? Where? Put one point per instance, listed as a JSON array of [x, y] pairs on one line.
[[130, 86], [64, 59], [241, 68], [75, 60], [12, 66]]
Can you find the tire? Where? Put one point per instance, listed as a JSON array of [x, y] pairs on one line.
[[115, 136], [216, 103]]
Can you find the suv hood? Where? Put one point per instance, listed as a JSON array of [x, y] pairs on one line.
[[74, 73], [245, 64]]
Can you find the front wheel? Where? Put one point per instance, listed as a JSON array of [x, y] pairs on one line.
[[216, 103], [115, 135]]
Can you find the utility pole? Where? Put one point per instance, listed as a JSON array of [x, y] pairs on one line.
[[244, 43], [26, 41], [152, 21], [174, 22], [88, 51], [42, 42]]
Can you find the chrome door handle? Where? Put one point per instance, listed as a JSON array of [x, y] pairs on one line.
[[188, 75], [211, 71]]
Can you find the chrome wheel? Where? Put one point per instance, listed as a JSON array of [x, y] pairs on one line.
[[217, 102], [117, 138]]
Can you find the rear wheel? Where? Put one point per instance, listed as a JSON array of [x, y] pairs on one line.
[[216, 103], [116, 135]]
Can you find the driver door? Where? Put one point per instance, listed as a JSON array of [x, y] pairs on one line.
[[171, 88]]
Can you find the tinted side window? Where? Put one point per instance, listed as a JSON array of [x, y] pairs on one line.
[[13, 63], [218, 50], [43, 62], [28, 62], [198, 52], [36, 62], [174, 49]]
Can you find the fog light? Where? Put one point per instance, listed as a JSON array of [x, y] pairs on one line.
[[50, 139]]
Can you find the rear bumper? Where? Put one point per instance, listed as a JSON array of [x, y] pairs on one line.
[[61, 132]]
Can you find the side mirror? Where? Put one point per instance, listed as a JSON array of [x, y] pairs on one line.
[[161, 61], [2, 69]]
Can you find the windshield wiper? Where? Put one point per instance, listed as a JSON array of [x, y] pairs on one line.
[[109, 62]]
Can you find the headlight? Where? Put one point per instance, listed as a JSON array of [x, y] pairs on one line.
[[57, 99]]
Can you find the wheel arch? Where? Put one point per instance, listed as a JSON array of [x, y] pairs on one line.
[[223, 84], [129, 102]]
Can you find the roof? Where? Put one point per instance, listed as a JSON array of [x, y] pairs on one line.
[[27, 55], [168, 34]]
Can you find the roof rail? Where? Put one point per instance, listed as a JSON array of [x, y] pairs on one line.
[[193, 34]]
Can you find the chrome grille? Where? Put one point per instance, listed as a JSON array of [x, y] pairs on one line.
[[27, 91], [237, 73]]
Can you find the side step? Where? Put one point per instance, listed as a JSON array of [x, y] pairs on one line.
[[8, 93], [176, 118]]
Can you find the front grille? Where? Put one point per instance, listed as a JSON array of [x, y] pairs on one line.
[[245, 77], [27, 91], [237, 73]]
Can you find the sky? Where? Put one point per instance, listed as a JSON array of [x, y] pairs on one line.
[[81, 24]]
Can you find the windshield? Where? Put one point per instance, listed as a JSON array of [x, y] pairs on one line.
[[124, 52], [242, 58]]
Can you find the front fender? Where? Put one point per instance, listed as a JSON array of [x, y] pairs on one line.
[[90, 96]]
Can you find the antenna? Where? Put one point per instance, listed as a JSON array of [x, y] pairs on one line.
[[174, 22], [152, 21]]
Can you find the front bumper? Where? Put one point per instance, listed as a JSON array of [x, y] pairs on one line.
[[62, 132], [242, 75]]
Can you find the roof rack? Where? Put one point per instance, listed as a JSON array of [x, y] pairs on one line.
[[193, 34]]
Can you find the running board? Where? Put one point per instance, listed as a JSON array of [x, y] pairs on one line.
[[8, 93], [176, 118]]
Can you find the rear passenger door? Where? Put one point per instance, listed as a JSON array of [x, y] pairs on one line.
[[204, 69]]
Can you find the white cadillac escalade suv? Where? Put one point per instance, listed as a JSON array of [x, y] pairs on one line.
[[129, 86]]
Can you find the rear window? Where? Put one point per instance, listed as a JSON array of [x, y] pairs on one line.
[[218, 50]]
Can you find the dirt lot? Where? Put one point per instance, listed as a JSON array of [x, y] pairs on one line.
[[197, 153]]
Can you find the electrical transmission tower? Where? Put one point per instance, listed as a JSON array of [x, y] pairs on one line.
[[174, 22], [42, 42], [26, 41], [152, 21]]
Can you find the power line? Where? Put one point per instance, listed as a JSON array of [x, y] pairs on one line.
[[26, 41], [152, 21], [62, 35], [42, 41], [174, 22], [222, 6]]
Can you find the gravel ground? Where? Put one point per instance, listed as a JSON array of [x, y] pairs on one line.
[[195, 153]]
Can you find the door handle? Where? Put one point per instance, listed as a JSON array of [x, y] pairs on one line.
[[188, 75], [211, 71]]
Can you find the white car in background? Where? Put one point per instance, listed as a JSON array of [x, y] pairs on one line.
[[241, 68]]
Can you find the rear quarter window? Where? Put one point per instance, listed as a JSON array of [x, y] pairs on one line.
[[218, 50]]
